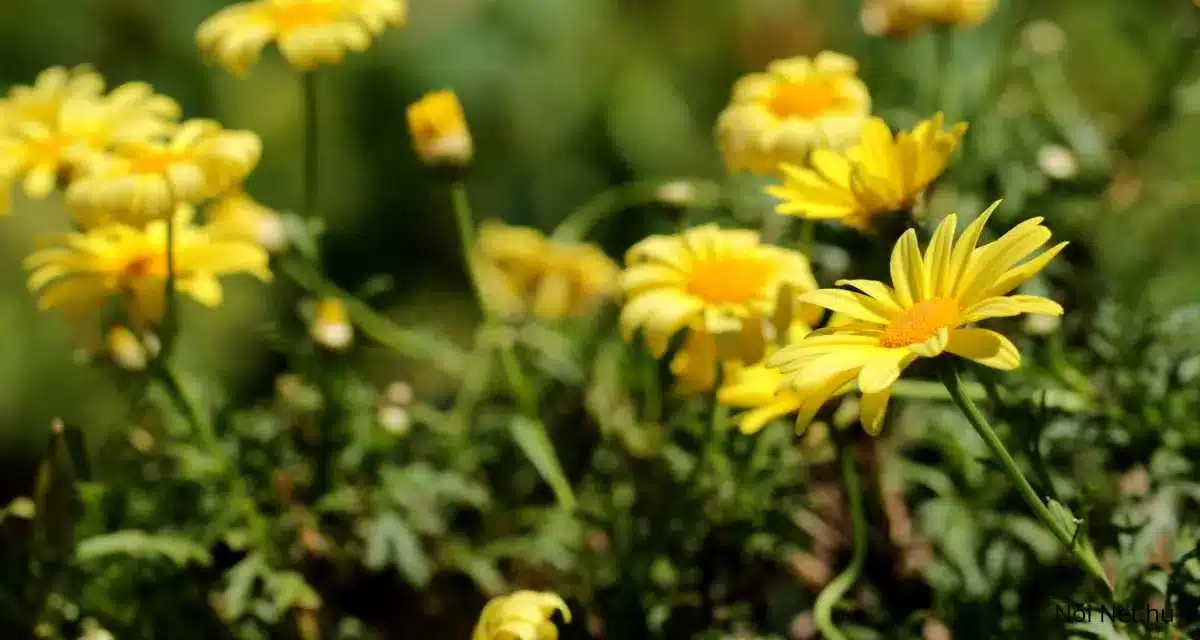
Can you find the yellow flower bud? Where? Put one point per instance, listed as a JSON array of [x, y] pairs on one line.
[[522, 615], [439, 130]]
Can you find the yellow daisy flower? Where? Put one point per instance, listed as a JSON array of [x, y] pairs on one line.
[[237, 216], [439, 130], [144, 180], [881, 174], [79, 272], [521, 615], [707, 279], [521, 271], [50, 90], [45, 128], [309, 33], [924, 313], [798, 104]]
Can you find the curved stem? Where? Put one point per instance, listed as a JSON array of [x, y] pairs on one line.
[[1070, 539], [580, 221], [833, 592], [466, 238]]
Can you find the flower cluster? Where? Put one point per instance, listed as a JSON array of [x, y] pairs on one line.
[[132, 175]]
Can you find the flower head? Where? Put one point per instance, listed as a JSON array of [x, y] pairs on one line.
[[331, 327], [798, 104], [924, 313], [46, 128], [439, 130], [522, 271], [706, 279], [144, 180], [880, 174], [309, 33], [79, 272], [521, 615], [901, 17]]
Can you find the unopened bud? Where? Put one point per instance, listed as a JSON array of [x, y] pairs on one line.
[[331, 326]]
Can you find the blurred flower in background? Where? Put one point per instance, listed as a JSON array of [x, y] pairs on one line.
[[143, 180], [309, 33], [799, 103], [331, 327], [45, 129], [521, 615], [521, 271], [902, 17], [439, 130], [237, 216], [882, 174]]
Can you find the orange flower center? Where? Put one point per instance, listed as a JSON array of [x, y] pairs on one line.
[[154, 162], [920, 323], [729, 280], [145, 265], [809, 98], [50, 150], [304, 13]]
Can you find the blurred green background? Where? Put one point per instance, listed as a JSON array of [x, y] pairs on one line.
[[565, 98]]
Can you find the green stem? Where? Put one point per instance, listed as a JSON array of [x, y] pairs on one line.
[[837, 588], [311, 144], [1069, 539], [466, 239], [808, 237]]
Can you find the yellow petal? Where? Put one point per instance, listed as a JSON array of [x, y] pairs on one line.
[[908, 273], [855, 305], [1021, 273], [937, 257], [985, 347], [881, 372], [965, 247], [755, 419], [873, 408], [932, 347]]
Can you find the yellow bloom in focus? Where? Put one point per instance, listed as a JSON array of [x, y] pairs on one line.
[[331, 327], [521, 615], [881, 174], [79, 272], [924, 313], [521, 271], [237, 216], [44, 129], [144, 180], [709, 280], [798, 104], [309, 33], [439, 130]]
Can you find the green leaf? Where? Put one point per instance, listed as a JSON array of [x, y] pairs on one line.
[[139, 544], [1082, 546], [1034, 535], [289, 589], [393, 542], [480, 568], [530, 436], [21, 507], [240, 580]]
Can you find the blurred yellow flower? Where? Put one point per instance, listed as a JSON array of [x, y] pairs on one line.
[[237, 216], [923, 314], [46, 127], [709, 280], [51, 89], [521, 271], [79, 272], [798, 104], [309, 33], [331, 327], [439, 130], [521, 615], [881, 174], [143, 180], [901, 17], [125, 349]]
